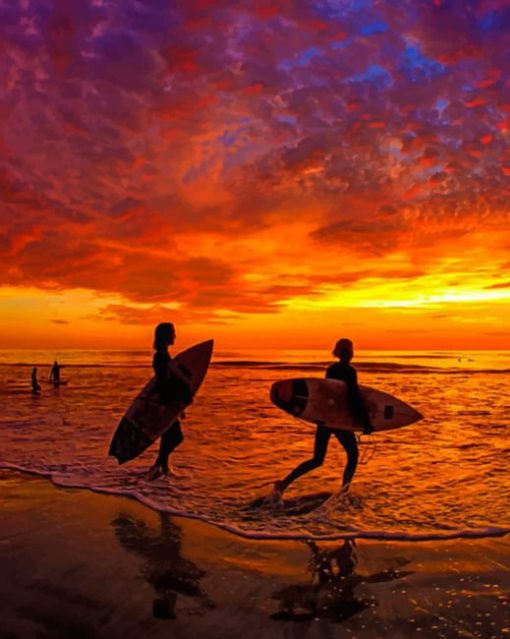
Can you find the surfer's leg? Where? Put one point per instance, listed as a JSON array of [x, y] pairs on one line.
[[322, 435], [359, 410], [169, 441], [350, 445]]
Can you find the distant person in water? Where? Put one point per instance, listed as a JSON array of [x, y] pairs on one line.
[[169, 389], [55, 373], [343, 371], [36, 389]]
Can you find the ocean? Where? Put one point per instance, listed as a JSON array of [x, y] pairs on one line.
[[445, 476]]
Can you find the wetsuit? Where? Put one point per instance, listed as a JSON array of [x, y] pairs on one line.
[[169, 389], [347, 439], [347, 373]]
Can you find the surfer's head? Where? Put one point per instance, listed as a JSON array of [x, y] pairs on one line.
[[344, 350], [164, 335]]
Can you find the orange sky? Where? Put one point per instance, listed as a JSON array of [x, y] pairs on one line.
[[272, 177]]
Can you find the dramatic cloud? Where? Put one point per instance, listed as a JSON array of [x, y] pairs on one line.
[[229, 157]]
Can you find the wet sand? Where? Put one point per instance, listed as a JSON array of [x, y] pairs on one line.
[[82, 565]]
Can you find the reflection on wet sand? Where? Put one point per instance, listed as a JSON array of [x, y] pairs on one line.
[[164, 569], [331, 595]]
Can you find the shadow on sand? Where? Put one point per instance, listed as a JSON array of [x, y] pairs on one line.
[[331, 595], [170, 574]]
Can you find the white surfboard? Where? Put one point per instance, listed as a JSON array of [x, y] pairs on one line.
[[324, 401], [147, 418]]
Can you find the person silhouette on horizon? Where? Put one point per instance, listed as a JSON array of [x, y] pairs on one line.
[[36, 388], [55, 373], [344, 371], [169, 389]]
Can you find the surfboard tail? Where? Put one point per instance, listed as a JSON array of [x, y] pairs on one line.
[[128, 441]]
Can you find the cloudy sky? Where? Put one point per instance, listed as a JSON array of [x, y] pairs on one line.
[[270, 173]]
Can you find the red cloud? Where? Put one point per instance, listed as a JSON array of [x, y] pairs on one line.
[[142, 142]]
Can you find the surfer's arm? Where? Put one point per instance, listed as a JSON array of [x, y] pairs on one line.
[[170, 387], [356, 402], [160, 366], [181, 389]]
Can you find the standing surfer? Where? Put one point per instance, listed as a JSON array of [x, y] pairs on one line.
[[55, 373], [169, 389], [36, 388], [344, 371]]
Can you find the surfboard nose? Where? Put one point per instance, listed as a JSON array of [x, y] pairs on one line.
[[412, 416]]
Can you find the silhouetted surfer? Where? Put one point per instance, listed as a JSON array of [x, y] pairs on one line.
[[36, 389], [343, 371], [55, 373], [169, 388]]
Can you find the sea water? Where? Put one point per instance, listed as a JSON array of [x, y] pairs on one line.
[[445, 476]]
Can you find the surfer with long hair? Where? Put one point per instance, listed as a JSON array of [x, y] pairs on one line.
[[169, 389], [344, 371]]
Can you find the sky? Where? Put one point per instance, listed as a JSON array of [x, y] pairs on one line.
[[272, 174]]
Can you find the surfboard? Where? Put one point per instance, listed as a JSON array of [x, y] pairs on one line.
[[324, 401], [147, 418]]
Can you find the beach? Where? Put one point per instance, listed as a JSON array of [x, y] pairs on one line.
[[78, 564]]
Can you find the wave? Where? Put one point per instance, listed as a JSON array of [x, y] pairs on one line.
[[416, 356], [319, 365], [270, 365], [372, 367], [45, 365], [358, 533], [297, 367], [386, 368]]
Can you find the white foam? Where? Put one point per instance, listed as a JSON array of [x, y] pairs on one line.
[[59, 479]]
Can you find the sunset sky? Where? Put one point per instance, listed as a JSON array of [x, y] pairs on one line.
[[272, 174]]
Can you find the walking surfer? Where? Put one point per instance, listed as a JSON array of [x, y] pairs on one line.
[[344, 371], [169, 388]]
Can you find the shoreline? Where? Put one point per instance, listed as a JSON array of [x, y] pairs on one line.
[[489, 532], [81, 564]]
